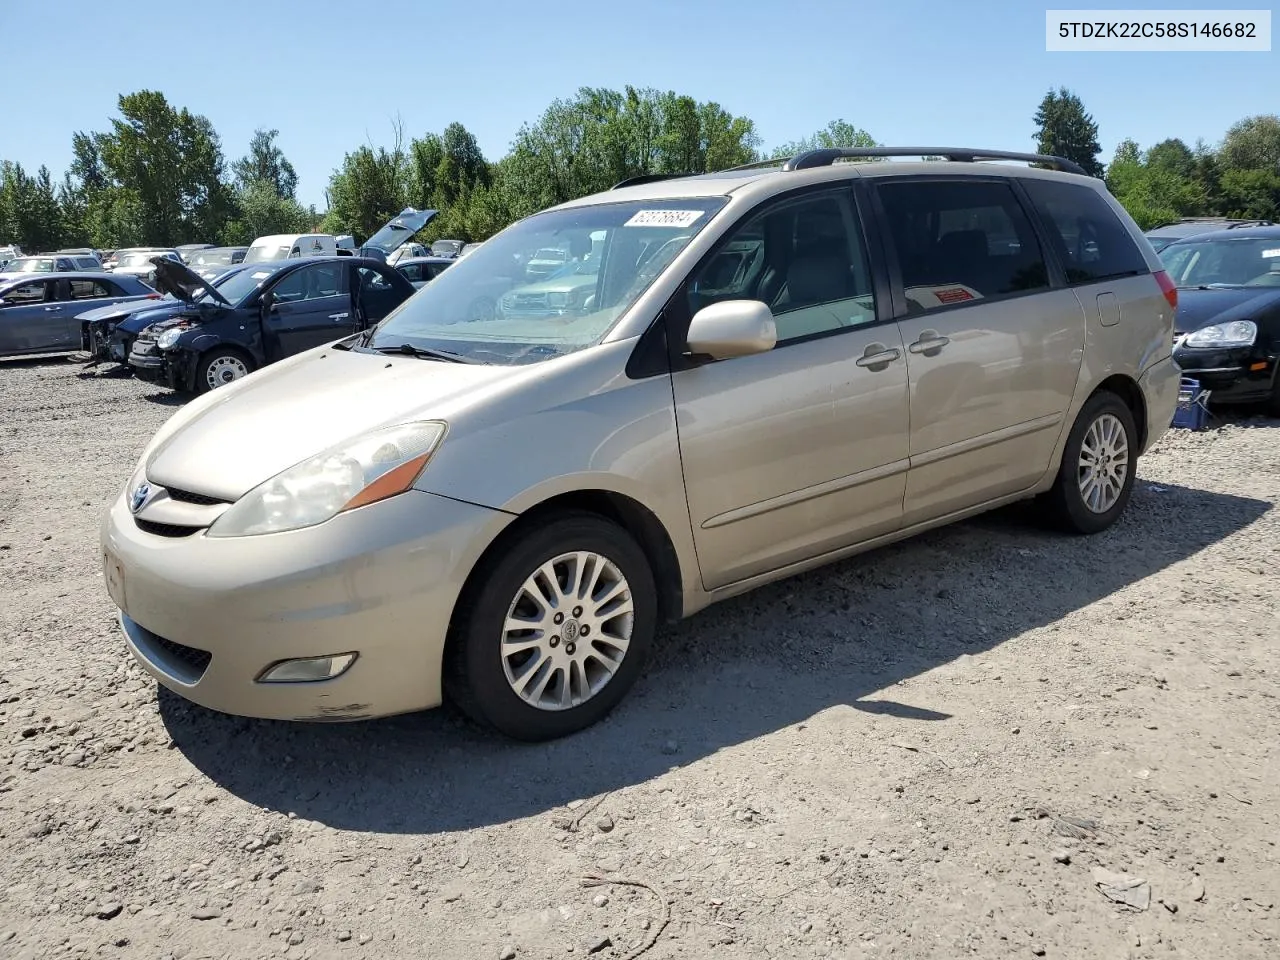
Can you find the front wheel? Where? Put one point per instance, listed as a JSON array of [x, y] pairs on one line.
[[556, 629], [219, 367], [1095, 479]]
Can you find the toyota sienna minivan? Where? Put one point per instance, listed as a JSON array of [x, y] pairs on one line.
[[775, 367]]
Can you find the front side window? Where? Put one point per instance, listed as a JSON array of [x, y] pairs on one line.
[[1091, 241], [1234, 262], [312, 283], [961, 241], [489, 308], [804, 258], [24, 294]]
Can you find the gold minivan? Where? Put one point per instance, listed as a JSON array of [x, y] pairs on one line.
[[500, 491]]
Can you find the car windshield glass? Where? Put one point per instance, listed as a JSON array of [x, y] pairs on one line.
[[500, 305], [264, 253], [237, 287], [1237, 262], [138, 259], [31, 265], [211, 258]]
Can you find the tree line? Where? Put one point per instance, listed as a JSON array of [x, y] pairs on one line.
[[158, 175]]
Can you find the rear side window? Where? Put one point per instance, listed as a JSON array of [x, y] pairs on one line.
[[959, 242], [1090, 239], [89, 290]]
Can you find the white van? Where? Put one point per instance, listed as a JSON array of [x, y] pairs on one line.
[[291, 246]]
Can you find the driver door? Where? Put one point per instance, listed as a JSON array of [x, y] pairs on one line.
[[311, 307], [801, 450]]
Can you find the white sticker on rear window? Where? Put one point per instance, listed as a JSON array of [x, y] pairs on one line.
[[663, 218], [261, 276], [1271, 253]]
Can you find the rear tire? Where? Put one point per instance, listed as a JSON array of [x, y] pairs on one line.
[[584, 646], [1095, 478]]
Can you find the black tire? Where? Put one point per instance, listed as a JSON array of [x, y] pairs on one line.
[[215, 357], [475, 678], [1067, 505]]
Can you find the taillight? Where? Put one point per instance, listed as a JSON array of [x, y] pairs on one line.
[[154, 296], [1168, 288]]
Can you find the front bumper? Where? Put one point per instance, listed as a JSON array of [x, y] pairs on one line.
[[206, 615], [1231, 375]]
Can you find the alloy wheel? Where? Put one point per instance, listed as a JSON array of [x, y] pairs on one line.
[[1104, 463]]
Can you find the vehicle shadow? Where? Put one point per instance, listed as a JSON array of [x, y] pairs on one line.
[[739, 670], [19, 361], [166, 398]]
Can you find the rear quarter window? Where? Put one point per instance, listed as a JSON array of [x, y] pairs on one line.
[[1089, 238]]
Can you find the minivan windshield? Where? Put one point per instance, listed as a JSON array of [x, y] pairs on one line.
[[1234, 262], [490, 307], [266, 253]]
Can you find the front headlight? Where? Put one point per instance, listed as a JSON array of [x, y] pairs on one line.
[[364, 470], [1237, 333], [169, 337]]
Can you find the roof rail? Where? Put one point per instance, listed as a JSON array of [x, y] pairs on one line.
[[1248, 223], [828, 156], [648, 178], [760, 164]]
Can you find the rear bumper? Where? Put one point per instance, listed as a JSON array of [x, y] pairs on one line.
[[1159, 386]]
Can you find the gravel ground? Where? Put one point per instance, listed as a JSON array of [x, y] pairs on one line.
[[926, 752]]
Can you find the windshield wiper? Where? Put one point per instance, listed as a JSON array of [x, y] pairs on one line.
[[422, 353]]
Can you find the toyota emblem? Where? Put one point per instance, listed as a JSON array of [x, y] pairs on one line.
[[139, 497]]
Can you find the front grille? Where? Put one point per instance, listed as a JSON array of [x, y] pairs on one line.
[[186, 496], [165, 529], [197, 660]]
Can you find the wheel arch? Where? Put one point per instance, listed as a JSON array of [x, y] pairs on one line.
[[1127, 389]]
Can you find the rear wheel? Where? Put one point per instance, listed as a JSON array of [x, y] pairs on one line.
[[219, 367], [1095, 479], [555, 630]]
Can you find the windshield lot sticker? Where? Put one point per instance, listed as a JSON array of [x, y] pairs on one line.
[[261, 276], [1271, 253], [664, 218], [954, 295]]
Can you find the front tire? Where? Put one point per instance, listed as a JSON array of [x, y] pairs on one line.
[[1099, 462], [554, 630], [219, 367]]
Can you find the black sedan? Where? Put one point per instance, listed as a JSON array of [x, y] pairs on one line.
[[1227, 327], [259, 315]]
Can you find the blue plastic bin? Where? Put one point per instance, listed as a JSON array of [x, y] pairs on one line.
[[1192, 412]]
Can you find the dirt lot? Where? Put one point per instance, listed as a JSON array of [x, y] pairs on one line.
[[922, 753]]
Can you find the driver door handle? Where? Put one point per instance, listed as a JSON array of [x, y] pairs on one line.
[[339, 316], [878, 359], [51, 309]]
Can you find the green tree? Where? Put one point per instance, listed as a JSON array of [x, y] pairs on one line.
[[266, 163], [1174, 156], [370, 188], [425, 156], [1065, 129], [1252, 144], [263, 211], [168, 167], [29, 211], [837, 133]]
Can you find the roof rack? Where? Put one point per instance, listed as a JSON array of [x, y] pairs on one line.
[[1235, 224], [826, 157], [648, 178]]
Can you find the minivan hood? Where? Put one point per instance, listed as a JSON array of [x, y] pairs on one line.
[[182, 282], [293, 410], [1201, 308], [399, 229]]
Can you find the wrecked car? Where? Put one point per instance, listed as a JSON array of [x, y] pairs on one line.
[[107, 333], [263, 313]]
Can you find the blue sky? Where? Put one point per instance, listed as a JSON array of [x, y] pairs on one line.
[[333, 75]]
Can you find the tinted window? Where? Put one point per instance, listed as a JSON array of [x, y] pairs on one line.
[[89, 290], [312, 283], [87, 263], [804, 258], [1091, 241], [961, 241]]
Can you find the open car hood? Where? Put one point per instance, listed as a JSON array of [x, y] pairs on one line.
[[182, 282], [400, 228]]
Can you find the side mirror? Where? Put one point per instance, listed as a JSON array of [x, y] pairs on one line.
[[267, 303], [732, 328]]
